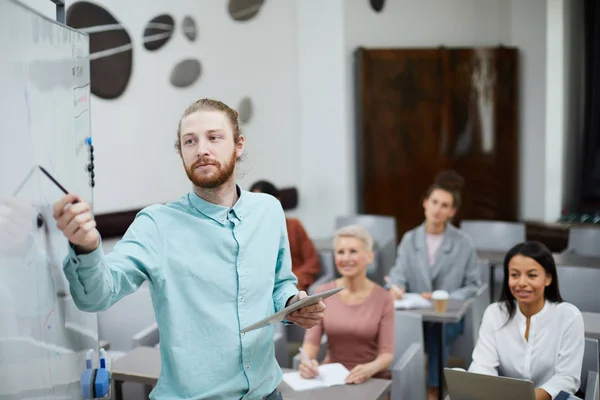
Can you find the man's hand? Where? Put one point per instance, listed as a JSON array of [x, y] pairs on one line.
[[308, 316], [74, 219], [360, 373], [426, 295]]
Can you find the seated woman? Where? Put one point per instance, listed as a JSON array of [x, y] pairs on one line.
[[305, 260], [437, 256], [359, 321], [531, 333]]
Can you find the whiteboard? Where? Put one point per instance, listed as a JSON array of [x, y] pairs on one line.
[[44, 120]]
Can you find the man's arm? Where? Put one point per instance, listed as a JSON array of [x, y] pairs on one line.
[[98, 281]]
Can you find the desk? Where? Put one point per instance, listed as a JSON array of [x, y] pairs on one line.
[[454, 313], [142, 365], [496, 258], [591, 323], [375, 389]]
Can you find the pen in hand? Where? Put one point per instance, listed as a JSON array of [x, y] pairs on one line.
[[393, 286], [308, 360]]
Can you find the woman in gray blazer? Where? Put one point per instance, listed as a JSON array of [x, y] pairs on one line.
[[437, 256]]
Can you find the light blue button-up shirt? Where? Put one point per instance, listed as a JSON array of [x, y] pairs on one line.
[[212, 270]]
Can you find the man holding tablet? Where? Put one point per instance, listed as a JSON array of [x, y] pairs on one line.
[[216, 261]]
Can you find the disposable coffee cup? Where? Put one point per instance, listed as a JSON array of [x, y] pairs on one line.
[[440, 300]]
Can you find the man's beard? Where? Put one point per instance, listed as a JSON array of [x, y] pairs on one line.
[[213, 180]]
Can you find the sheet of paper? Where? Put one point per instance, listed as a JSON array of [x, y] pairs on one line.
[[411, 301], [329, 375]]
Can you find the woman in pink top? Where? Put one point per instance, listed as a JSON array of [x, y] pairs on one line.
[[359, 321]]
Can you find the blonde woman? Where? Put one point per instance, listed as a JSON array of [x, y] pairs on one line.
[[359, 321]]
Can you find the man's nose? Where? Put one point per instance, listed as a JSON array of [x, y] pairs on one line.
[[203, 148]]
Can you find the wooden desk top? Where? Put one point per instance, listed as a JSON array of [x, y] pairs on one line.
[[142, 365]]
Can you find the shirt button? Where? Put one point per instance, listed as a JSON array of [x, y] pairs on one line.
[[241, 298], [248, 367]]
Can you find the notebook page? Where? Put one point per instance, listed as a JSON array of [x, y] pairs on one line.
[[298, 384], [411, 301], [333, 374]]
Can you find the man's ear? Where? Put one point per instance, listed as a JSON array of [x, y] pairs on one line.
[[239, 147]]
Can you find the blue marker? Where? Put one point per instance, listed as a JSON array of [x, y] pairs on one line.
[[102, 380], [87, 377]]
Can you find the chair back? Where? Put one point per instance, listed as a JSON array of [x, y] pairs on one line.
[[584, 241], [494, 235]]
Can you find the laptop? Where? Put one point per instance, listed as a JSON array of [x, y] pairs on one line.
[[463, 385]]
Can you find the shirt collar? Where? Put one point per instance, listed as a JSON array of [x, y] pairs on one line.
[[218, 212], [537, 315]]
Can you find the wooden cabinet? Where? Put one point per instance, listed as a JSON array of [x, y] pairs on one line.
[[420, 111]]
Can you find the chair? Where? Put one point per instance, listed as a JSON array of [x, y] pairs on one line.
[[578, 285], [590, 370], [584, 241], [408, 365], [464, 344], [494, 236], [383, 230]]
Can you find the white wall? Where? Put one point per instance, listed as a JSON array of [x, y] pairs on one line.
[[326, 188], [527, 29], [301, 80], [134, 135]]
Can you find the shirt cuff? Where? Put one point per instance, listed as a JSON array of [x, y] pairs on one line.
[[553, 392], [89, 259]]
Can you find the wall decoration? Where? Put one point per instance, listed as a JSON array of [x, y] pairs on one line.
[[111, 55], [377, 5], [244, 110], [158, 32], [244, 10], [189, 28], [186, 72]]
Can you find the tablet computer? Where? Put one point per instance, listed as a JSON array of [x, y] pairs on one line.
[[280, 316]]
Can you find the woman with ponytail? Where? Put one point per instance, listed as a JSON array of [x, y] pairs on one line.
[[437, 256]]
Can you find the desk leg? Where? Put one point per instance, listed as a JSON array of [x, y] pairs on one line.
[[492, 283], [118, 390], [442, 333]]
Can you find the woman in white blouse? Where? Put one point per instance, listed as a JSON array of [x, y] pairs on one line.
[[531, 333]]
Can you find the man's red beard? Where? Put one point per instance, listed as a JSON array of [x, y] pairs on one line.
[[214, 179]]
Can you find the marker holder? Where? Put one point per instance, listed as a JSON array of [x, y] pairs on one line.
[[95, 382], [90, 166]]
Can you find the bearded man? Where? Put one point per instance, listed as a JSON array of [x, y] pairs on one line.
[[216, 260]]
